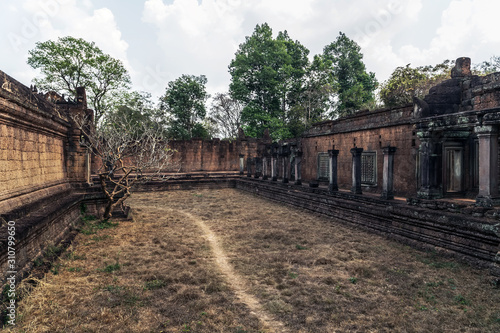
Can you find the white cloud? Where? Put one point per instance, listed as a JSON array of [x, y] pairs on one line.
[[465, 30], [196, 39], [51, 19]]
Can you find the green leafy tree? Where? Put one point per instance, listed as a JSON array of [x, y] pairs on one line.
[[266, 77], [407, 82], [354, 86], [184, 102], [138, 109], [69, 63]]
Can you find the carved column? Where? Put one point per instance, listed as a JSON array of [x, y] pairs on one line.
[[332, 174], [249, 167], [265, 172], [298, 165], [430, 187], [488, 165], [274, 167], [258, 167], [388, 173], [242, 164], [356, 170], [285, 159]]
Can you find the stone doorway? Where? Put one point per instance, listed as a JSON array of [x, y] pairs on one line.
[[454, 171]]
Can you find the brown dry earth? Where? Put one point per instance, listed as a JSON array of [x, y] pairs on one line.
[[227, 261]]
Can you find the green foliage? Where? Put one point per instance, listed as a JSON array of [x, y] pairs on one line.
[[267, 77], [460, 299], [184, 102], [407, 82], [353, 85], [90, 227], [137, 109], [69, 63], [111, 268], [154, 284], [353, 279]]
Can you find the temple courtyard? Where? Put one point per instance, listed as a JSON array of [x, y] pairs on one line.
[[228, 261]]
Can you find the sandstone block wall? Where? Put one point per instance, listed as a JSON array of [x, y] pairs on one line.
[[213, 155], [371, 131], [33, 140], [481, 92]]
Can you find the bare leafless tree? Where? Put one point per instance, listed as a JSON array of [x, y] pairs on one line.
[[226, 112], [127, 152]]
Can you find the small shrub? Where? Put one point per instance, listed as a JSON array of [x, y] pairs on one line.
[[100, 238], [90, 227], [110, 268], [462, 300], [74, 269], [353, 279], [38, 262], [300, 247], [55, 269], [154, 284], [52, 252]]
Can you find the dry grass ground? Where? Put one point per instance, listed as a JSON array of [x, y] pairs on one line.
[[226, 261]]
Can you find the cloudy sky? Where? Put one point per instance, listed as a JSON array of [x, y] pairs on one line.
[[159, 40]]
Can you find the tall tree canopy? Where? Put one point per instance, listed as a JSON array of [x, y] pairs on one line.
[[353, 85], [184, 102], [71, 62], [407, 82], [138, 109], [267, 77]]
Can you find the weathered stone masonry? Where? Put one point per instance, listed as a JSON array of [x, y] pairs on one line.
[[42, 170]]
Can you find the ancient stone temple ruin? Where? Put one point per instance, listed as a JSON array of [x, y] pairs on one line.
[[425, 173]]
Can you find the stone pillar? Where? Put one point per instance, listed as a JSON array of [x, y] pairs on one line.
[[298, 162], [488, 165], [388, 173], [265, 172], [285, 159], [242, 164], [430, 187], [332, 174], [356, 170], [249, 167], [258, 166], [274, 167]]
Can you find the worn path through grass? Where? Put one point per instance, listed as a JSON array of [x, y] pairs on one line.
[[237, 283]]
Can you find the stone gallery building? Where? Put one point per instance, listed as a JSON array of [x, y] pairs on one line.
[[438, 158]]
